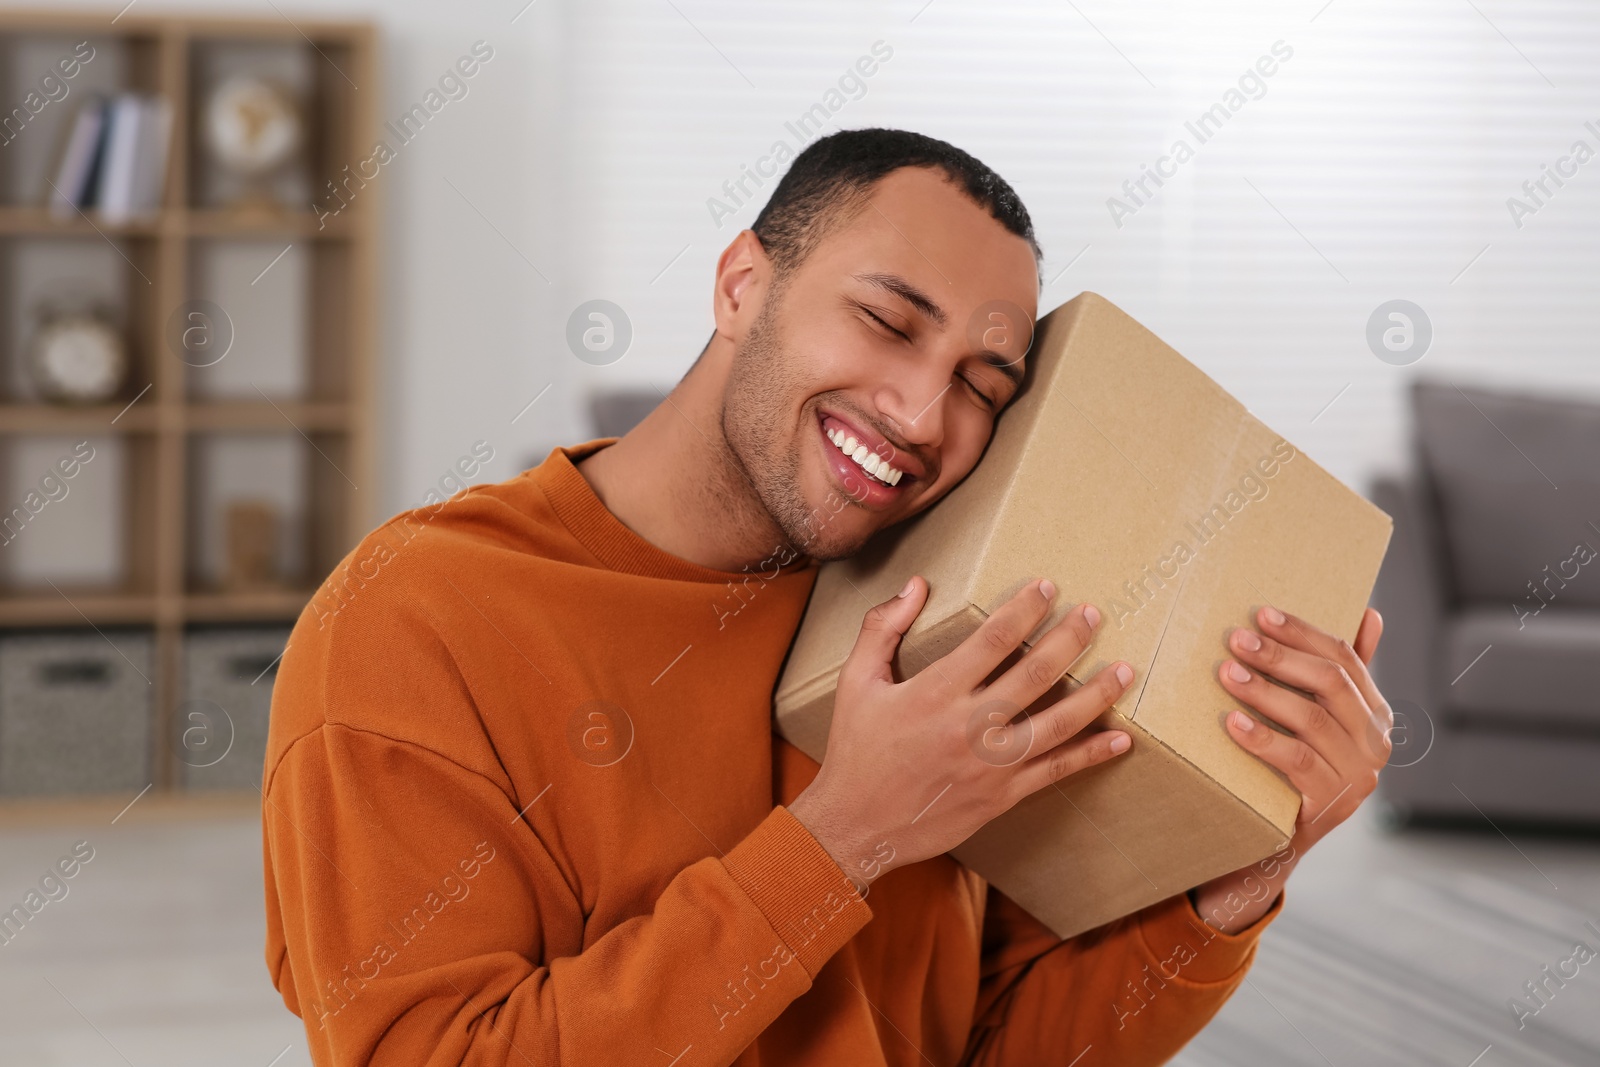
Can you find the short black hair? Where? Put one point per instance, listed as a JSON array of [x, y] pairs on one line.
[[833, 177]]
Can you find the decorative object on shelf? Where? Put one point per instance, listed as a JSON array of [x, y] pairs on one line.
[[114, 158], [252, 558], [77, 356], [253, 128]]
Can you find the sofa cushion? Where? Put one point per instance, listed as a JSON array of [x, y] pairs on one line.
[[1518, 485], [1539, 670]]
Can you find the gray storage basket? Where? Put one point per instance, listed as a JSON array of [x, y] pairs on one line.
[[221, 727], [75, 712]]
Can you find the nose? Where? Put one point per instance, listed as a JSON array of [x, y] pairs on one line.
[[914, 405]]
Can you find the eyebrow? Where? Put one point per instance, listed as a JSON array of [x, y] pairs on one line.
[[1008, 367], [893, 283], [898, 286]]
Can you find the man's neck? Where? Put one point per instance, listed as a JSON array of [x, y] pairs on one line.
[[673, 481]]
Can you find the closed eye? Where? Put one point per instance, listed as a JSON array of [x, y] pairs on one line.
[[877, 319], [988, 400]]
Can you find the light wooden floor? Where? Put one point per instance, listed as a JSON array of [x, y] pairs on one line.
[[1405, 950], [155, 956], [1395, 949]]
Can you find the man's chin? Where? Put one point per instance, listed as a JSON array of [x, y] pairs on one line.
[[832, 553], [827, 544]]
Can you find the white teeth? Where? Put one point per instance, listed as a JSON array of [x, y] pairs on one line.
[[866, 459]]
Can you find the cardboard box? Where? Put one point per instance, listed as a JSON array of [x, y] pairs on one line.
[[1134, 482]]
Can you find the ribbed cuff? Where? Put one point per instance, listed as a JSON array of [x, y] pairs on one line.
[[806, 898], [1179, 940]]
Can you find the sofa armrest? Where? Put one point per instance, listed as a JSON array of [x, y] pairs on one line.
[[1412, 595]]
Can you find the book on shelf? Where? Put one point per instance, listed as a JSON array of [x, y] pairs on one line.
[[115, 158], [78, 157], [150, 165]]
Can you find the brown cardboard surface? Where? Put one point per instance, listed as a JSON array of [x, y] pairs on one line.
[[1133, 481]]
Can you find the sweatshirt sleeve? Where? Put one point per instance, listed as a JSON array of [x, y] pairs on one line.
[[415, 918], [1135, 990]]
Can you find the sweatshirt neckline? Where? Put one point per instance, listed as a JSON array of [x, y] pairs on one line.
[[594, 526]]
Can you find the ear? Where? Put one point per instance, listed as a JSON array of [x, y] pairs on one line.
[[743, 274]]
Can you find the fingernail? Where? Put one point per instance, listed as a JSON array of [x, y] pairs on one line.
[[1091, 615], [1124, 674], [1247, 640], [1047, 587], [910, 585], [1120, 743], [1237, 672], [1241, 721], [1272, 615]]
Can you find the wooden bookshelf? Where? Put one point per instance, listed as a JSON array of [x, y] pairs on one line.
[[164, 423]]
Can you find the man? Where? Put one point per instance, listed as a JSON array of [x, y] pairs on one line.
[[523, 804]]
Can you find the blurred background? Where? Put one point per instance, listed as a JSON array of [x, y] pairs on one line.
[[270, 273]]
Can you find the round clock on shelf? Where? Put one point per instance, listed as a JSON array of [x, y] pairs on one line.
[[252, 126], [77, 357]]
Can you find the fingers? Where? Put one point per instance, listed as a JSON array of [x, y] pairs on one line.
[[1296, 633], [1044, 664], [1063, 719], [881, 630], [1324, 679], [1308, 720], [1067, 759], [1056, 733], [1001, 633], [1300, 763], [1367, 636]]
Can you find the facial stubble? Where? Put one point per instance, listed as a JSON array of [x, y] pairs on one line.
[[764, 440]]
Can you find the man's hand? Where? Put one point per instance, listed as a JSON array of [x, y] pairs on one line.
[[1338, 740], [913, 768]]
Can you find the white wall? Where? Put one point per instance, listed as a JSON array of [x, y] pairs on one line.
[[1389, 143]]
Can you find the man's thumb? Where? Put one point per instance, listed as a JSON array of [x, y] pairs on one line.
[[882, 629]]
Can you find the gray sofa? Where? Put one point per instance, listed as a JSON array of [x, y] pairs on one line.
[[1491, 598]]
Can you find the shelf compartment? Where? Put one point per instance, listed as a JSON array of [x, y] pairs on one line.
[[113, 278], [100, 63], [220, 737], [76, 512], [253, 297], [258, 557], [76, 711], [285, 307]]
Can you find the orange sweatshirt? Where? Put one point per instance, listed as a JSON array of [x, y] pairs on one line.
[[523, 805]]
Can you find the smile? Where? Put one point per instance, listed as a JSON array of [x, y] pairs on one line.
[[869, 461]]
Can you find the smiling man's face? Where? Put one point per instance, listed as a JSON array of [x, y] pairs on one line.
[[898, 331]]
